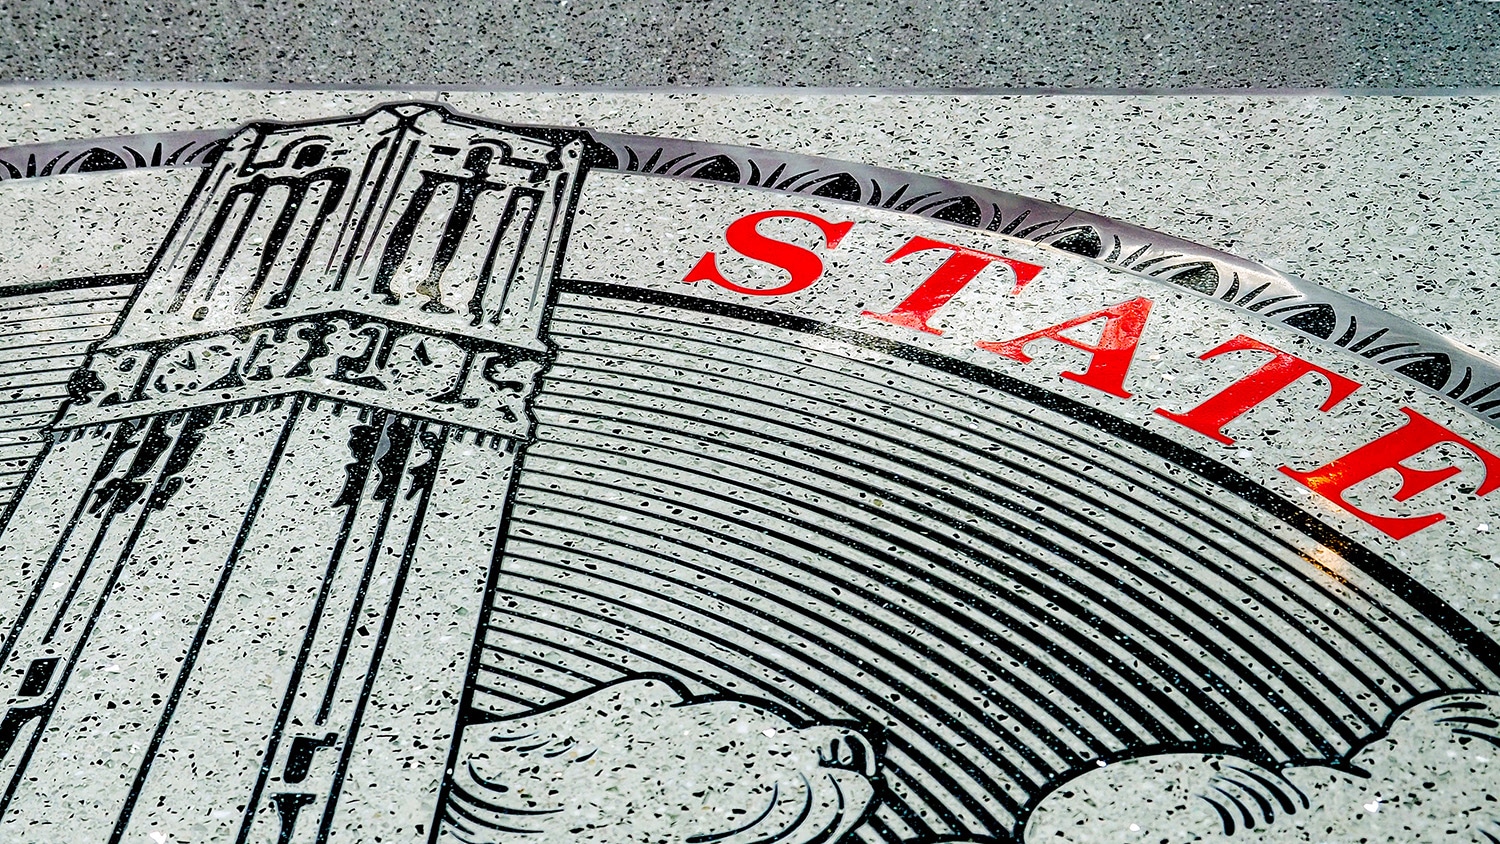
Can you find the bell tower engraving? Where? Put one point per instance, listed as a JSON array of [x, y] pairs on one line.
[[304, 431]]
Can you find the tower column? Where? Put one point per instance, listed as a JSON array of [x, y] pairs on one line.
[[257, 549]]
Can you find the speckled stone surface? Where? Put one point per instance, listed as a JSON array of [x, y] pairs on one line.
[[965, 43], [327, 524], [1391, 199]]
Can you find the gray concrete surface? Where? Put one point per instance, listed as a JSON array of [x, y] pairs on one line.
[[1174, 44]]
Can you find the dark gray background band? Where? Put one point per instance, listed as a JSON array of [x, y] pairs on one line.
[[985, 44]]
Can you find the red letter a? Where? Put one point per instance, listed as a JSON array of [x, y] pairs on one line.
[[1112, 355]]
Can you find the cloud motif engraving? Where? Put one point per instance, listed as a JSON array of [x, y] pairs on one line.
[[1434, 776], [640, 760]]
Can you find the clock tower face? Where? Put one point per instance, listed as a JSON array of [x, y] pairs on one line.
[[433, 478]]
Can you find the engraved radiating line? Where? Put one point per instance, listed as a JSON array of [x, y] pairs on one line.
[[500, 630], [390, 198], [944, 636], [983, 733], [816, 388], [359, 190], [615, 521], [589, 680], [378, 650], [675, 643], [71, 661], [561, 633], [183, 673], [1090, 596], [1476, 644], [1186, 606], [299, 665]]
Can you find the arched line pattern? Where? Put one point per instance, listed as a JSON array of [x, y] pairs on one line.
[[1010, 584]]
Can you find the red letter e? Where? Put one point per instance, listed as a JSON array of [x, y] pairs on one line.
[[1388, 452]]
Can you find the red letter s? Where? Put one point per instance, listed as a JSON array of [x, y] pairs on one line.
[[803, 265]]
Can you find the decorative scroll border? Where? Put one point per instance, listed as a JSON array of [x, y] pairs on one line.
[[1457, 374]]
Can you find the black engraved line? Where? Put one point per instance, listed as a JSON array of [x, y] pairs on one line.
[[413, 536], [944, 638], [973, 465], [71, 662], [490, 691], [548, 643], [487, 267], [555, 691], [922, 620], [767, 690], [1480, 645], [1001, 547], [338, 183], [286, 217], [364, 176], [1148, 721], [609, 643], [257, 189], [121, 432], [42, 417], [511, 653], [202, 209], [411, 153], [49, 371], [366, 215], [486, 616], [50, 401], [1354, 611], [487, 271], [54, 312], [299, 665], [604, 643], [51, 398], [937, 713], [208, 241], [84, 344], [955, 593], [191, 657], [26, 429], [151, 455], [399, 451], [911, 803], [882, 830], [42, 300], [528, 222], [131, 281]]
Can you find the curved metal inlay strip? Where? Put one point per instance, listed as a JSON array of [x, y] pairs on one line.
[[1455, 373]]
